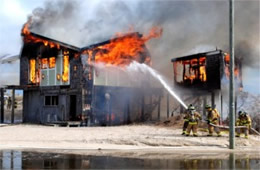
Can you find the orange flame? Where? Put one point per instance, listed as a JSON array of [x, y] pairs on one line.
[[203, 76], [44, 63], [52, 62], [29, 38], [65, 75], [123, 50], [194, 69], [25, 29], [236, 69], [32, 70]]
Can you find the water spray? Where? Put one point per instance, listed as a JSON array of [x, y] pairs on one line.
[[134, 65]]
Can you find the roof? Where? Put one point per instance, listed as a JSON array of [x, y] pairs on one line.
[[56, 41], [188, 57], [78, 49], [108, 41]]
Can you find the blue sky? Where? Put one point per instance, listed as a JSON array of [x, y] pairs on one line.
[[14, 13]]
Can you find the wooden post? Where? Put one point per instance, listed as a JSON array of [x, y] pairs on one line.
[[204, 104], [168, 106], [159, 108], [109, 113], [13, 98], [2, 105], [142, 108], [221, 106], [127, 112], [151, 105]]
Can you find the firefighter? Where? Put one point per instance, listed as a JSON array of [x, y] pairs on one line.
[[213, 118], [243, 120], [186, 120], [193, 119]]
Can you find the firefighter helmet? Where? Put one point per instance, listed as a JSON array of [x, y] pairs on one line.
[[240, 113], [192, 108], [207, 106]]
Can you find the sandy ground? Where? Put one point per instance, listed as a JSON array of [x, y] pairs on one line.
[[128, 137]]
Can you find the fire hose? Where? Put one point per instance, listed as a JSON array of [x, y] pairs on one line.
[[236, 127]]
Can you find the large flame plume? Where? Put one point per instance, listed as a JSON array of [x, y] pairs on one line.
[[124, 49]]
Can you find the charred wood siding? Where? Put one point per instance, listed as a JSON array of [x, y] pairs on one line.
[[29, 50], [36, 110], [75, 73], [213, 69], [32, 106], [24, 70]]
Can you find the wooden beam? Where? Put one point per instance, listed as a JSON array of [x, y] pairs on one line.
[[13, 98], [168, 105], [159, 108], [2, 105], [142, 108]]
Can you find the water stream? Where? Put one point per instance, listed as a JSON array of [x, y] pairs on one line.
[[145, 68]]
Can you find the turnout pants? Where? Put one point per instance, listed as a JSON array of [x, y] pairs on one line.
[[212, 129], [242, 130], [192, 127], [185, 125]]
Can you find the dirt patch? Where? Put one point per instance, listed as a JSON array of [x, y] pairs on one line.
[[116, 137]]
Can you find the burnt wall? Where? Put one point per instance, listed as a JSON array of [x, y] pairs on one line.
[[32, 106], [29, 50], [214, 69], [24, 70], [37, 110], [211, 67], [75, 72]]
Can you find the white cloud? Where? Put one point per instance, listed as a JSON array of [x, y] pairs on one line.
[[13, 10]]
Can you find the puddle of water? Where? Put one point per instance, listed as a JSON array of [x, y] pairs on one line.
[[10, 159]]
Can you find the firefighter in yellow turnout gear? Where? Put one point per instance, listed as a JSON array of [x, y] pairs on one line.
[[243, 120], [193, 118], [186, 120], [213, 118]]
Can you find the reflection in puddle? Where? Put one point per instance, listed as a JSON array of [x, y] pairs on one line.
[[38, 160]]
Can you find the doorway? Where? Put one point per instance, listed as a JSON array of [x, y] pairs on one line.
[[73, 107]]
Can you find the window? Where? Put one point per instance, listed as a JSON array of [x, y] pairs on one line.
[[44, 63], [48, 63], [51, 100], [52, 62]]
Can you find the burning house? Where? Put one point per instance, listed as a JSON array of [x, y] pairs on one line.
[[61, 84], [204, 73]]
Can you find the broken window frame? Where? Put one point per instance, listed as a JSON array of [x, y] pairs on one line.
[[191, 70], [51, 100]]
